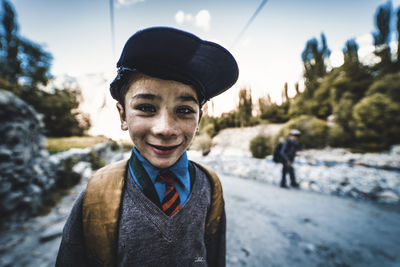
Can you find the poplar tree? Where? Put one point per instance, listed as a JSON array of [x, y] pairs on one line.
[[398, 37], [382, 38], [245, 107], [314, 56], [350, 52], [10, 65]]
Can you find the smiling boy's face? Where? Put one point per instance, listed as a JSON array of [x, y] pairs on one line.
[[162, 117]]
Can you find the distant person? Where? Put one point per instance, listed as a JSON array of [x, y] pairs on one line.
[[288, 153], [157, 208]]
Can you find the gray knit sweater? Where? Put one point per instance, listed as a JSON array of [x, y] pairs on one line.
[[147, 236]]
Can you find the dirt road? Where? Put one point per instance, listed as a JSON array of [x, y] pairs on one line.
[[267, 226], [270, 226]]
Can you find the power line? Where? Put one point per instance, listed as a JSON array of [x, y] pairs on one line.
[[249, 22], [112, 27]]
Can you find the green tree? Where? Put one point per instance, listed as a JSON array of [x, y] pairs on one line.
[[35, 64], [245, 107], [343, 110], [388, 85], [382, 38], [376, 122], [227, 120], [350, 52], [10, 65], [22, 61], [24, 67], [61, 114], [398, 38], [274, 112], [313, 57]]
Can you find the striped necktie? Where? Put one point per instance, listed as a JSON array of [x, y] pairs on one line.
[[171, 202]]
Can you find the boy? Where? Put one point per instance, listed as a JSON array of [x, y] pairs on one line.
[[157, 208]]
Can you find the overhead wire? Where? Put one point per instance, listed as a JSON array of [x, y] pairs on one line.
[[249, 23], [112, 27]]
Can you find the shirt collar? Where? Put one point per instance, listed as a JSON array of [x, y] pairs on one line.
[[180, 168]]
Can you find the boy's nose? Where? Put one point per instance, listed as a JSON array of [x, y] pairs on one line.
[[165, 125]]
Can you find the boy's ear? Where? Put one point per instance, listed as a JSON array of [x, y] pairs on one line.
[[122, 117]]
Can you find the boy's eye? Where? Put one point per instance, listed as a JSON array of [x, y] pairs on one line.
[[184, 110], [146, 108]]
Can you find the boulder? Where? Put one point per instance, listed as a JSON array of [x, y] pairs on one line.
[[25, 171], [388, 196]]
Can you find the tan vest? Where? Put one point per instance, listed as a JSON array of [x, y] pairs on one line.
[[101, 206]]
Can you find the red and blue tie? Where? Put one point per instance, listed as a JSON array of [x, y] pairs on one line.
[[171, 202]]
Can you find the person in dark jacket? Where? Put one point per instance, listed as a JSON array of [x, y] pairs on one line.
[[288, 153]]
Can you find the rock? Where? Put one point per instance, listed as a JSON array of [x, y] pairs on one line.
[[11, 200], [84, 169], [388, 196], [52, 232], [7, 260], [395, 150], [25, 171], [309, 248], [5, 187]]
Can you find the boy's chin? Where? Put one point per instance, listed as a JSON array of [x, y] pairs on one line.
[[163, 164]]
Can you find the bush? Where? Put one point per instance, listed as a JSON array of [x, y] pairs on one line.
[[207, 125], [275, 113], [376, 122], [114, 145], [343, 110], [95, 160], [388, 85], [260, 146], [208, 129], [59, 144], [203, 143], [314, 131], [338, 137], [66, 176], [227, 120]]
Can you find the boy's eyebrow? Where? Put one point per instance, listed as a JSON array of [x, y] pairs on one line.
[[188, 98], [184, 97], [145, 96]]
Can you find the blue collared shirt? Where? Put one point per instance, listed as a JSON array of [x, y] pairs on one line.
[[180, 169]]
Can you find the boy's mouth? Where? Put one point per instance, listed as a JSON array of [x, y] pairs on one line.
[[164, 150]]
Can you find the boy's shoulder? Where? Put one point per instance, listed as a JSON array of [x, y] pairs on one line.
[[112, 167], [217, 201], [211, 175]]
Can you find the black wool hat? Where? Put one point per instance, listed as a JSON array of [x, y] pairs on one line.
[[172, 54]]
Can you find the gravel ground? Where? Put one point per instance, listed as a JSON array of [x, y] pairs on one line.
[[267, 226], [270, 226]]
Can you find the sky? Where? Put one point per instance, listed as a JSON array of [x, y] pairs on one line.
[[78, 34]]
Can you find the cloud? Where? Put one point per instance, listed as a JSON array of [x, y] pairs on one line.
[[128, 2], [366, 49], [365, 40], [201, 20], [181, 17], [336, 58]]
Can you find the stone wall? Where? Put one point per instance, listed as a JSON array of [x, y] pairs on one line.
[[28, 174], [25, 171]]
